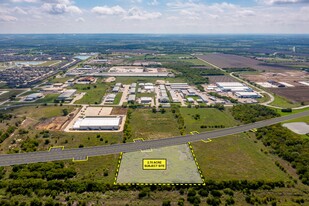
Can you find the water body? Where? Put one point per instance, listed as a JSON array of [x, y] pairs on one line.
[[82, 57], [30, 63]]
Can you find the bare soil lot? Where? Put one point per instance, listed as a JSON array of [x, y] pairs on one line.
[[234, 61], [298, 94], [54, 123], [220, 78], [290, 77]]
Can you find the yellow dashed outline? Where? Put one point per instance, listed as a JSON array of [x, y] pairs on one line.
[[137, 139], [208, 140], [164, 184], [118, 166], [73, 160], [55, 147], [194, 132]]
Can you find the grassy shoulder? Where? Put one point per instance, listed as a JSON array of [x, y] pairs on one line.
[[149, 125], [280, 101], [210, 117], [236, 157]]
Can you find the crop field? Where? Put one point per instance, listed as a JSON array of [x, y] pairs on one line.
[[148, 125], [221, 78], [210, 117], [234, 61], [295, 94], [180, 168], [236, 157]]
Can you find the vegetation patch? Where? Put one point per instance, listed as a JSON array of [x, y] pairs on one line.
[[236, 157], [249, 113]]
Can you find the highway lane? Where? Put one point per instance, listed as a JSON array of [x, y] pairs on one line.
[[46, 156]]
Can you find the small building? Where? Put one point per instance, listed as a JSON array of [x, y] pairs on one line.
[[33, 97], [97, 123], [133, 85], [191, 92], [118, 84], [178, 86], [164, 99], [132, 90], [110, 98], [116, 89], [67, 95], [190, 100], [146, 100], [131, 98]]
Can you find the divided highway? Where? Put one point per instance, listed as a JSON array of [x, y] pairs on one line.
[[82, 153]]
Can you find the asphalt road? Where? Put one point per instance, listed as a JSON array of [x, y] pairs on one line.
[[81, 153]]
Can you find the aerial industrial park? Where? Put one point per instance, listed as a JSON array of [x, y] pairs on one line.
[[154, 126]]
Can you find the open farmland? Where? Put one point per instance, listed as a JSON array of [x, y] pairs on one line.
[[298, 94], [234, 61]]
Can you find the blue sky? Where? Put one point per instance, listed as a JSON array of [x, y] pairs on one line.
[[154, 16]]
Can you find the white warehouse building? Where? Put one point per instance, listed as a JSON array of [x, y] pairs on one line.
[[97, 123], [247, 95]]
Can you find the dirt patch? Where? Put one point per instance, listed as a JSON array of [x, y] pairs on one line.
[[54, 123], [290, 77], [119, 111], [109, 79], [296, 94]]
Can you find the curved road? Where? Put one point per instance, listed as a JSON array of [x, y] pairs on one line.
[[82, 153]]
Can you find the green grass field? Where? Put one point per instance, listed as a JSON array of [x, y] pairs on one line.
[[148, 125], [283, 102], [208, 116], [236, 157], [117, 98], [94, 94]]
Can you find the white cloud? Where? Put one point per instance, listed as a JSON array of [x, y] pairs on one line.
[[133, 13], [7, 18], [278, 2], [24, 1], [61, 7], [19, 10], [80, 20], [154, 3], [138, 14], [105, 10]]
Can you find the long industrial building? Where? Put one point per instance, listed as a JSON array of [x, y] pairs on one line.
[[97, 123]]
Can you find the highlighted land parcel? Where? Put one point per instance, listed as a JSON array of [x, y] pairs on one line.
[[173, 165]]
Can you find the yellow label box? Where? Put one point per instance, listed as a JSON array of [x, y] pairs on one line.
[[154, 164]]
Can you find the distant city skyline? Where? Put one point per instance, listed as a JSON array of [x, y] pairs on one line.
[[155, 16]]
